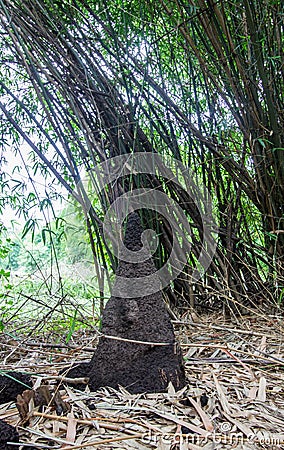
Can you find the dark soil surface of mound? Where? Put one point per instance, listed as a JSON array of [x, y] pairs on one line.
[[7, 434], [11, 385], [137, 367]]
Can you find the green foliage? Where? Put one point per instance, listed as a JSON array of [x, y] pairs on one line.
[[6, 246], [72, 326], [281, 297], [200, 82]]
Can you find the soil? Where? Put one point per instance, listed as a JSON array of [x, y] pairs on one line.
[[7, 434], [11, 385], [137, 367]]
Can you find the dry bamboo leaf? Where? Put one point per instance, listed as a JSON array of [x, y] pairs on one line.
[[193, 447], [215, 353], [205, 419], [252, 393], [222, 397], [191, 352], [245, 366], [181, 422], [133, 444], [262, 346], [48, 437], [261, 396], [84, 433], [162, 444], [55, 427], [37, 382], [244, 428], [71, 428], [171, 390], [210, 446]]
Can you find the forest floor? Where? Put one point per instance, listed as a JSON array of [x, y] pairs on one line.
[[234, 397]]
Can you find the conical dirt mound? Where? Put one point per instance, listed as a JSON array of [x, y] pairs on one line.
[[139, 367]]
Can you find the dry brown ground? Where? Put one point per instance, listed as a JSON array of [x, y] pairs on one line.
[[234, 398]]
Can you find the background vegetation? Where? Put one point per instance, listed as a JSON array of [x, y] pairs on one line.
[[198, 81]]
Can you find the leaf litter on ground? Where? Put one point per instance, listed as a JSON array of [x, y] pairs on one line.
[[234, 397]]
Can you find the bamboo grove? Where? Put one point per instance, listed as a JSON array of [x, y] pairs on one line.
[[199, 81]]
